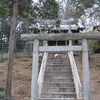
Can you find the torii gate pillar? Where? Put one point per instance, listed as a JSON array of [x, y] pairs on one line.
[[34, 84], [86, 74]]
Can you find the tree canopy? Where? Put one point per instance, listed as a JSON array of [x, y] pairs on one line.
[[50, 9], [47, 9], [85, 9]]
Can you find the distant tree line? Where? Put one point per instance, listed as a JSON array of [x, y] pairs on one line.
[[29, 12]]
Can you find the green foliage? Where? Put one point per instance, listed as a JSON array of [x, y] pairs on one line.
[[25, 8], [48, 9], [94, 45], [77, 8], [76, 12], [83, 3], [4, 8]]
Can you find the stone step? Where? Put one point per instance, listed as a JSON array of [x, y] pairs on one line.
[[57, 61], [59, 77], [58, 68], [54, 70], [57, 57], [58, 95], [57, 85], [58, 80], [62, 66], [57, 74], [69, 89], [68, 72], [57, 64], [60, 99]]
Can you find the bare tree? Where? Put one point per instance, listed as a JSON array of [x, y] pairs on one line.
[[8, 95]]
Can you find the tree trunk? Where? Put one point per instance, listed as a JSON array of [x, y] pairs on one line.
[[8, 95]]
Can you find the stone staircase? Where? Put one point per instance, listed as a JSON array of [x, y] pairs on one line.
[[58, 80]]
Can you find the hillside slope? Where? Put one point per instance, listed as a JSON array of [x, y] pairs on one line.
[[22, 76]]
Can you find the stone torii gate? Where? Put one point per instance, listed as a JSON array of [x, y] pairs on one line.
[[68, 36]]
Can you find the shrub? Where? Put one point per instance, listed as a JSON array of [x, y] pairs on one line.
[[94, 45]]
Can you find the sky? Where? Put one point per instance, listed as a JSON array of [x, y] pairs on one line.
[[35, 0]]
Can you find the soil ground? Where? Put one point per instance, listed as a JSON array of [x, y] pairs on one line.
[[21, 85], [94, 67]]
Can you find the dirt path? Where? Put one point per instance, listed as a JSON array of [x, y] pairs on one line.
[[21, 85]]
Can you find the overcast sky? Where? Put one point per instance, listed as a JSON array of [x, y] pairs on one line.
[[35, 0]]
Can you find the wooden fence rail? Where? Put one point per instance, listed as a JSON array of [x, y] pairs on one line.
[[41, 74], [75, 74]]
